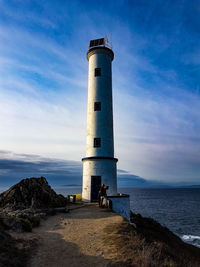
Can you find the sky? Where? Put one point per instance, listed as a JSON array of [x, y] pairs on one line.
[[156, 86]]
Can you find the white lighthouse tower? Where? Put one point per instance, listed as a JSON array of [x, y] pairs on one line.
[[99, 165]]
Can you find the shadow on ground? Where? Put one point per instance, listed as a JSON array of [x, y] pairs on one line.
[[58, 252], [90, 211]]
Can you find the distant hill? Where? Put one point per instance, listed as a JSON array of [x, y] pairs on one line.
[[130, 180], [190, 186]]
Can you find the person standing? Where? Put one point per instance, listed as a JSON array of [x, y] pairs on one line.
[[101, 194]]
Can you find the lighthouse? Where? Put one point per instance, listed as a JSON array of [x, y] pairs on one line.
[[99, 164]]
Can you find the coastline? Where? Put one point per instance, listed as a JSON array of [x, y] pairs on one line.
[[183, 221], [90, 236], [39, 227]]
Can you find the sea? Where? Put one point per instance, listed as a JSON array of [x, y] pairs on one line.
[[176, 208]]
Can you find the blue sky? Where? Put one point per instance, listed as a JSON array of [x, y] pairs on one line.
[[156, 83]]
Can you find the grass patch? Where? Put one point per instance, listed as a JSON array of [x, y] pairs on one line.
[[35, 221], [14, 253], [147, 244], [26, 225]]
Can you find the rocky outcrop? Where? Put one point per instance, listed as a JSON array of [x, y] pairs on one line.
[[31, 193], [24, 204]]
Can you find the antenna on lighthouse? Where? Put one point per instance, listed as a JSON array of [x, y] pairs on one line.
[[111, 40], [106, 41]]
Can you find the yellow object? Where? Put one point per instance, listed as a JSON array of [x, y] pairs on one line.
[[78, 197]]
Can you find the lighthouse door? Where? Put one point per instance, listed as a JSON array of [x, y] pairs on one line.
[[95, 186]]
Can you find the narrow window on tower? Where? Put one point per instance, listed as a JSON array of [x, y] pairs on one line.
[[97, 106], [97, 72], [97, 142]]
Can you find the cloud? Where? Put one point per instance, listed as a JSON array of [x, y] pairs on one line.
[[119, 171], [14, 167], [159, 136], [43, 83], [59, 173], [130, 180]]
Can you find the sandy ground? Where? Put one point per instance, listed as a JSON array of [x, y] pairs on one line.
[[74, 239]]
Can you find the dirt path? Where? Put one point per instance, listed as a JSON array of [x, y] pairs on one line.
[[74, 239]]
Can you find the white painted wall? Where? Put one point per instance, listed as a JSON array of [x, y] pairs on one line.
[[121, 205], [104, 168], [100, 124]]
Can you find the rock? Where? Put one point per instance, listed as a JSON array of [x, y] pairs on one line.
[[21, 208], [24, 204], [31, 193]]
